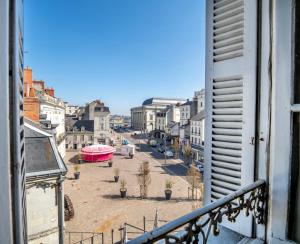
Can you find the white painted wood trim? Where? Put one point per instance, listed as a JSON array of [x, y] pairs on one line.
[[280, 144], [6, 227]]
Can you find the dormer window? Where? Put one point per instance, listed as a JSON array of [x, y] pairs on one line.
[[82, 128]]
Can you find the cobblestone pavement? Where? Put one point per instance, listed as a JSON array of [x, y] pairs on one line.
[[96, 197]]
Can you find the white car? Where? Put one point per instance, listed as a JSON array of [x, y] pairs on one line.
[[169, 154]]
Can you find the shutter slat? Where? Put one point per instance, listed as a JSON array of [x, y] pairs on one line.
[[232, 132], [228, 41], [221, 190], [228, 14], [231, 104], [226, 179], [227, 172], [228, 83], [226, 165], [230, 90], [229, 152], [222, 5], [226, 158], [233, 118], [226, 185], [227, 138], [232, 125], [228, 145], [228, 111], [229, 97]]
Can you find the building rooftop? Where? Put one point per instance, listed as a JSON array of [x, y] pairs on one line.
[[187, 103], [199, 116], [162, 100], [87, 124], [42, 156]]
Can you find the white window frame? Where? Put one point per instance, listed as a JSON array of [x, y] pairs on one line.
[[274, 149]]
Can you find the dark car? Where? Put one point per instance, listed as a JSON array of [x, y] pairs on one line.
[[161, 149]]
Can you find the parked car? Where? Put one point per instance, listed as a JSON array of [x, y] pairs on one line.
[[200, 168], [169, 153]]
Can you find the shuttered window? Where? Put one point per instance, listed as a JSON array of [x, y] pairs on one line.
[[231, 99]]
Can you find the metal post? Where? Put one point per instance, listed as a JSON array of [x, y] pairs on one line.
[[102, 238], [112, 236], [144, 221], [125, 234], [69, 237], [165, 150], [92, 239]]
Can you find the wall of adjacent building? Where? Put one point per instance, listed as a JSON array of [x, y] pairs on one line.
[[82, 139], [42, 214], [32, 108], [62, 148]]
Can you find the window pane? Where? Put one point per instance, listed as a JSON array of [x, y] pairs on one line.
[[294, 217], [295, 182]]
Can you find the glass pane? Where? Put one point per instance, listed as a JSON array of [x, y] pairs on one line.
[[295, 182], [295, 170], [297, 53]]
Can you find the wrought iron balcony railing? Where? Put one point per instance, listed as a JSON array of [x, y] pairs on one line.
[[201, 222]]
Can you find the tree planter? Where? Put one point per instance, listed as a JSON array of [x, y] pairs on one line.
[[123, 193], [116, 178], [76, 175], [110, 164], [168, 194]]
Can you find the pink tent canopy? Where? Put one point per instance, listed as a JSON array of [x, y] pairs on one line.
[[97, 153]]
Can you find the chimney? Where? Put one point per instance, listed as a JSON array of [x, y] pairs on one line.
[[49, 91]]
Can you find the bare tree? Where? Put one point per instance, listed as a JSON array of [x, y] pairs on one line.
[[176, 148], [187, 152], [144, 178], [194, 179]]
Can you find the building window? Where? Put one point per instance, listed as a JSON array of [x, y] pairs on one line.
[[74, 137], [67, 145], [294, 217], [82, 137]]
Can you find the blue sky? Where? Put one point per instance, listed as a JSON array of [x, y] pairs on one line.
[[121, 51]]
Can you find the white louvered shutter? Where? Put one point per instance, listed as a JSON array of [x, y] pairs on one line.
[[16, 110], [231, 47]]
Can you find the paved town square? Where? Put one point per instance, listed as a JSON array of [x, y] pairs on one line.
[[99, 207]]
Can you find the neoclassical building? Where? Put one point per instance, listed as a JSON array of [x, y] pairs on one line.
[[144, 117]]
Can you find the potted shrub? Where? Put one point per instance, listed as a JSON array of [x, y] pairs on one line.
[[116, 174], [168, 189], [79, 157], [123, 188], [76, 171], [110, 163]]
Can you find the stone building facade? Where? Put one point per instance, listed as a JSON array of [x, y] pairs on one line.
[[144, 117]]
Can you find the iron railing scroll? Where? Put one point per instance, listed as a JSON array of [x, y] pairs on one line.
[[200, 223]]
